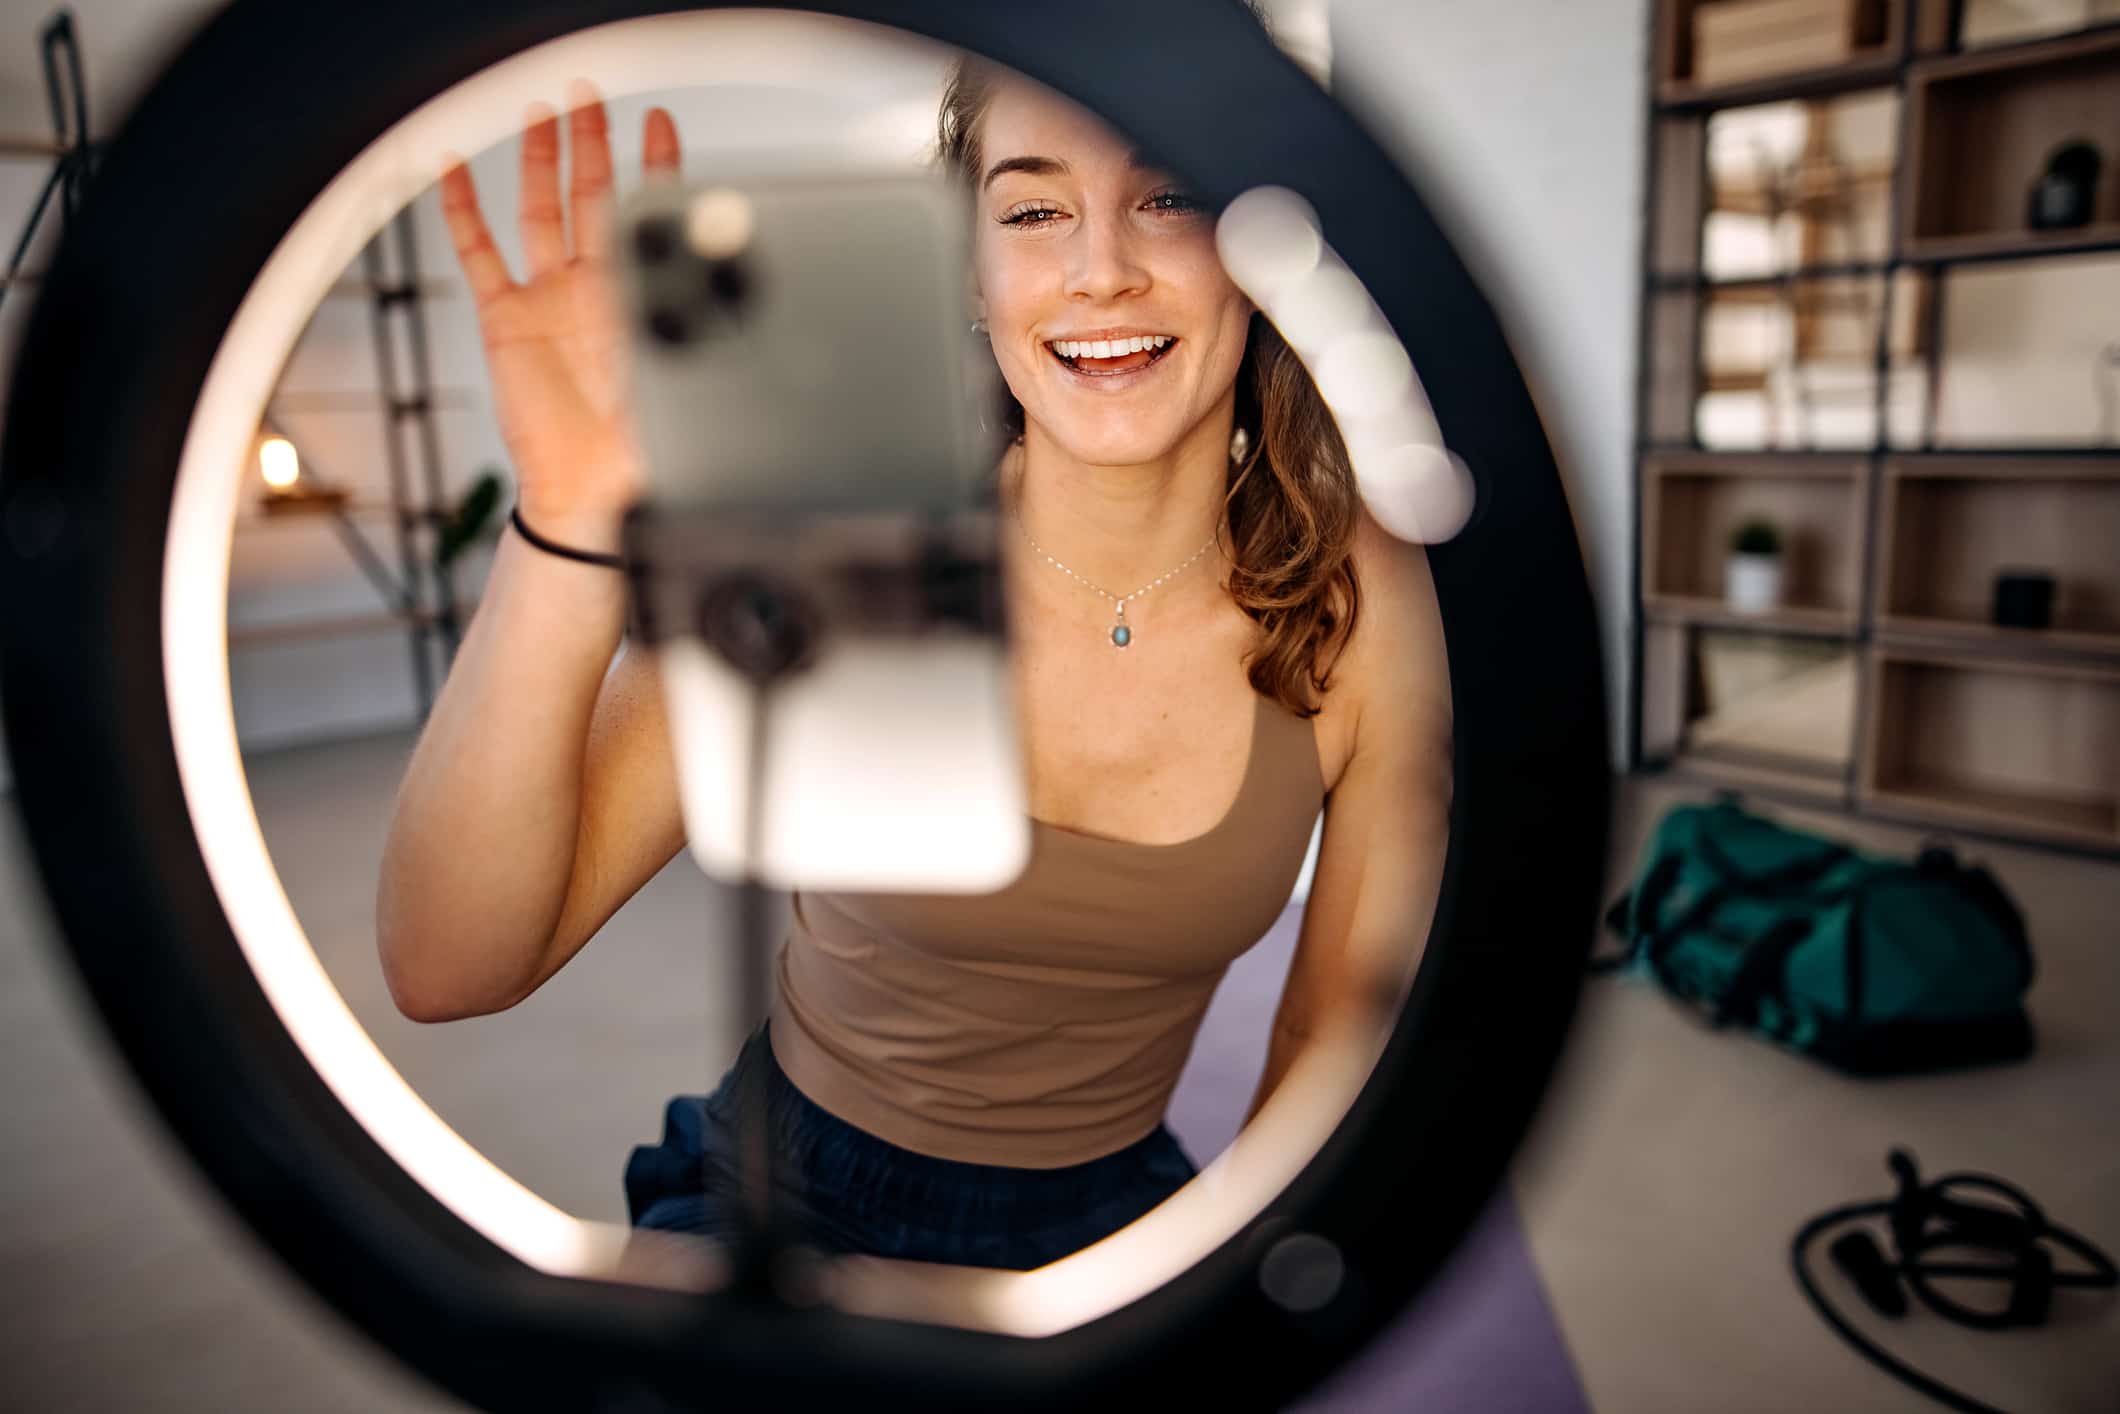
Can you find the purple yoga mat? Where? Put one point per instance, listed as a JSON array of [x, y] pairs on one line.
[[1481, 1336]]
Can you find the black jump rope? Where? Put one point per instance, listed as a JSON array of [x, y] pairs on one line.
[[1924, 1217]]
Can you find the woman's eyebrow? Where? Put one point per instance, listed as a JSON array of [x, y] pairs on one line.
[[1035, 166], [1050, 167]]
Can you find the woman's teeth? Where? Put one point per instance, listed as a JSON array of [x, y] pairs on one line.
[[1107, 348]]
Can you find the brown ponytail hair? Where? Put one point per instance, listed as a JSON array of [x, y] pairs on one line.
[[1291, 501]]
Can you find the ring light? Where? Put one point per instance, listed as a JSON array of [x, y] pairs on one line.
[[139, 384]]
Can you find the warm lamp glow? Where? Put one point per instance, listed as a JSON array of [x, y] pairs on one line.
[[277, 459]]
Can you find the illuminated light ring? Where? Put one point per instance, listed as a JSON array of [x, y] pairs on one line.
[[109, 392]]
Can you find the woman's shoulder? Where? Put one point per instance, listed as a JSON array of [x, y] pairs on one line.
[[1392, 673]]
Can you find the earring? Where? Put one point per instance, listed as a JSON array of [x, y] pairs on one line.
[[979, 325], [1239, 444]]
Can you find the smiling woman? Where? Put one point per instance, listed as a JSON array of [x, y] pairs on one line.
[[1200, 611], [982, 1080]]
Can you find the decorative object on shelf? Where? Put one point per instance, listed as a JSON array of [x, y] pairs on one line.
[[2066, 193], [2024, 599], [1735, 40], [473, 519], [1752, 577], [286, 488]]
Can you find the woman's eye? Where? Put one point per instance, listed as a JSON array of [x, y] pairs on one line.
[[1173, 201], [1030, 215]]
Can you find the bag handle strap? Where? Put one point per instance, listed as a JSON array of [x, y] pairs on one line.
[[1763, 969], [1629, 911]]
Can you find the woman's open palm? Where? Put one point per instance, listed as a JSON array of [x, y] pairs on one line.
[[555, 342]]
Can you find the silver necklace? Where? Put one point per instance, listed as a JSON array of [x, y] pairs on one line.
[[1122, 632]]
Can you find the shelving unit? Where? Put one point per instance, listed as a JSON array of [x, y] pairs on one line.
[[1881, 683]]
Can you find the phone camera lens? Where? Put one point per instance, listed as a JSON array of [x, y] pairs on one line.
[[657, 238], [728, 284], [670, 326]]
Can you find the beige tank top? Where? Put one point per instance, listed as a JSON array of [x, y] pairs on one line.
[[1044, 1024]]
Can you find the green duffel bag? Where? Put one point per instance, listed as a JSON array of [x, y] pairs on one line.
[[1873, 965]]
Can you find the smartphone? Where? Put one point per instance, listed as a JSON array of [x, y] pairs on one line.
[[816, 420], [804, 343]]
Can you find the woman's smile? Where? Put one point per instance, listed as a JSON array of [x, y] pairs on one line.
[[1109, 360]]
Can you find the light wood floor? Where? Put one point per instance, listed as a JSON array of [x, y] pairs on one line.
[[1671, 1165], [1659, 1191]]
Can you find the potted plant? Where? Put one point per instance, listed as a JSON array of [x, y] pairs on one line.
[[1752, 577], [472, 521]]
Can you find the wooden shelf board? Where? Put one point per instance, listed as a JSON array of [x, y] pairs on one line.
[[1993, 462], [1790, 465], [1874, 67], [1812, 622], [1996, 466], [1734, 380], [1831, 787], [2019, 55], [1945, 657], [1679, 456], [2007, 245], [19, 145], [2071, 639], [1685, 281], [1807, 297], [315, 515], [2083, 820]]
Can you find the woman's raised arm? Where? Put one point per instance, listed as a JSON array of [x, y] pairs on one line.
[[540, 794]]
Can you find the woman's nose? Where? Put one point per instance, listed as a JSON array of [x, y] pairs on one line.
[[1103, 264]]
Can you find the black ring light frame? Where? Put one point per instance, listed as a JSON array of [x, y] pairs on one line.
[[266, 105]]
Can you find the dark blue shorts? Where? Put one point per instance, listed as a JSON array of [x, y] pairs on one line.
[[855, 1193]]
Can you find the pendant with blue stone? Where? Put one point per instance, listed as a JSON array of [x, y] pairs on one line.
[[1121, 634]]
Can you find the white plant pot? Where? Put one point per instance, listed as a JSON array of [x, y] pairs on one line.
[[1752, 583]]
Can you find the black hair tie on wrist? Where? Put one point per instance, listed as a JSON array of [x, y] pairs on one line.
[[552, 547]]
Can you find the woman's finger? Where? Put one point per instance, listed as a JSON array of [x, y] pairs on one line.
[[659, 153], [543, 223], [484, 268], [589, 187]]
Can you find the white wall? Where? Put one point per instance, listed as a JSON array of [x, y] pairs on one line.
[[1522, 123]]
